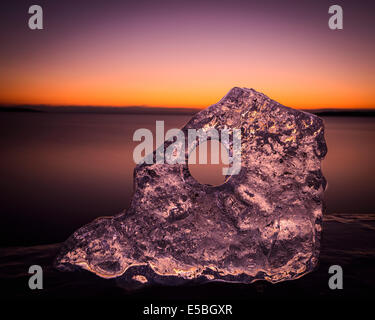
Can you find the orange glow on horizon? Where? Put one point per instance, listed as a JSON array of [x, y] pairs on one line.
[[76, 81], [189, 56], [177, 99]]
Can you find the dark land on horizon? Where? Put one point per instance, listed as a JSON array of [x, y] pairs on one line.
[[163, 110]]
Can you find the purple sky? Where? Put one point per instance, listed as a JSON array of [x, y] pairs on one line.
[[187, 53]]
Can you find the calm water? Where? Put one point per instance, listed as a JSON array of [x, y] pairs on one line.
[[60, 171]]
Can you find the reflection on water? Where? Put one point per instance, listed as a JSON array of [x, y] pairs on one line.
[[350, 165], [60, 171]]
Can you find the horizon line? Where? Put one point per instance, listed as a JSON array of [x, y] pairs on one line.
[[20, 105]]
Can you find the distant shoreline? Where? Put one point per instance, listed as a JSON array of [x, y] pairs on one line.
[[160, 110], [99, 110]]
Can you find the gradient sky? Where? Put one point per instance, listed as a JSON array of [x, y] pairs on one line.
[[186, 53]]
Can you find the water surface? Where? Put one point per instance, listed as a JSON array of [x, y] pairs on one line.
[[60, 171]]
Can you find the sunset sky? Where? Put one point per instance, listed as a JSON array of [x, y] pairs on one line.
[[186, 53]]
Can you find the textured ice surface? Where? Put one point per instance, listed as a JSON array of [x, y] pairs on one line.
[[264, 223]]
